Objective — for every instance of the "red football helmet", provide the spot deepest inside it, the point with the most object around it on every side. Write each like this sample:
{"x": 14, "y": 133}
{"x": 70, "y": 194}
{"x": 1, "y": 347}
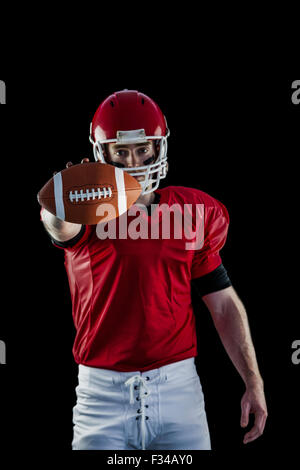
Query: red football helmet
{"x": 129, "y": 117}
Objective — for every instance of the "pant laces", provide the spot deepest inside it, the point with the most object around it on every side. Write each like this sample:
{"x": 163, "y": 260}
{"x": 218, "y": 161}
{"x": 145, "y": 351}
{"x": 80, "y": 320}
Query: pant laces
{"x": 143, "y": 393}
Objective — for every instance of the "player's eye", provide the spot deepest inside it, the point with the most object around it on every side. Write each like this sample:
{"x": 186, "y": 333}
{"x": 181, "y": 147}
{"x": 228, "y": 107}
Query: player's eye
{"x": 121, "y": 153}
{"x": 144, "y": 150}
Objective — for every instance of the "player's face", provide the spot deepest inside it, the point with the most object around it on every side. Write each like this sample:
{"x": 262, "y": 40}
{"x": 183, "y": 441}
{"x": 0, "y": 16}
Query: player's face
{"x": 131, "y": 155}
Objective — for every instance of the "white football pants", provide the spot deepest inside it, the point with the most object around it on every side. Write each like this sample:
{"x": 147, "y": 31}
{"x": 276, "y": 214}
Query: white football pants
{"x": 158, "y": 409}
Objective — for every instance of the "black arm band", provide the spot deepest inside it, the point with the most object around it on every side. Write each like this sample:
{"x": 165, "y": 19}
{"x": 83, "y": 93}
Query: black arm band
{"x": 212, "y": 282}
{"x": 72, "y": 241}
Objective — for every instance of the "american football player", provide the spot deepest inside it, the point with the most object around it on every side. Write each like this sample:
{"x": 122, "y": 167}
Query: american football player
{"x": 135, "y": 345}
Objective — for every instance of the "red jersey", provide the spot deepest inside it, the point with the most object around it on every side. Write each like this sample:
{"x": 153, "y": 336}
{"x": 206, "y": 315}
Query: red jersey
{"x": 131, "y": 298}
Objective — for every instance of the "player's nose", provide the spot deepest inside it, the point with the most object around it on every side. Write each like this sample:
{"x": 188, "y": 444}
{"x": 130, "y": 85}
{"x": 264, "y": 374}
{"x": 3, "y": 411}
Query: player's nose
{"x": 133, "y": 161}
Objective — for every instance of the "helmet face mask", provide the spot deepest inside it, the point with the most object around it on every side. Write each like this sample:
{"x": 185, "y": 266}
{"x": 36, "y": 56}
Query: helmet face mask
{"x": 131, "y": 109}
{"x": 152, "y": 173}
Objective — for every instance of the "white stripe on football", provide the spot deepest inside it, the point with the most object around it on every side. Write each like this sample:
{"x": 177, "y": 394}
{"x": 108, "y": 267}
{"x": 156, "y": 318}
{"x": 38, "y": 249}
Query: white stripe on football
{"x": 88, "y": 192}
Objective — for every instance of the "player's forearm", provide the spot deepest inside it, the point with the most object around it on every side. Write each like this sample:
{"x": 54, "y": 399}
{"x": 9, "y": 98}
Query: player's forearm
{"x": 59, "y": 229}
{"x": 51, "y": 221}
{"x": 233, "y": 328}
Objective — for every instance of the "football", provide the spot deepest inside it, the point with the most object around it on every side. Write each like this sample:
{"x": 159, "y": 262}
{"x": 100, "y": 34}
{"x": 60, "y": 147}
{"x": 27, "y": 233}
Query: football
{"x": 89, "y": 193}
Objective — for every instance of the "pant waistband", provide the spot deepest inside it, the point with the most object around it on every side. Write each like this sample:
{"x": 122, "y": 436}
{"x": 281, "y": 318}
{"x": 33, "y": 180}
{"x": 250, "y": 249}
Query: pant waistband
{"x": 184, "y": 367}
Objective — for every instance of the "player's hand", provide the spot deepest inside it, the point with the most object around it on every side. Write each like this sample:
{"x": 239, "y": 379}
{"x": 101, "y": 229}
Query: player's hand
{"x": 84, "y": 160}
{"x": 253, "y": 401}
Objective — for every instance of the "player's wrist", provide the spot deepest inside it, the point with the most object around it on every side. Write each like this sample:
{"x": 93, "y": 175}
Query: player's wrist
{"x": 253, "y": 380}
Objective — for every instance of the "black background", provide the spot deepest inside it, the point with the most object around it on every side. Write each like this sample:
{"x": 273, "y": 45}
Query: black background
{"x": 234, "y": 136}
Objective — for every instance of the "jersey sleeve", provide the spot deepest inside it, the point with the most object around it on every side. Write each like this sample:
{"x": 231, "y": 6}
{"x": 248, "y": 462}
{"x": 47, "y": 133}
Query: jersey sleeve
{"x": 206, "y": 259}
{"x": 214, "y": 281}
{"x": 74, "y": 242}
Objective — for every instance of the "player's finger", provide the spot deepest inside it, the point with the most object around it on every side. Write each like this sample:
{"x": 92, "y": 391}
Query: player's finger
{"x": 260, "y": 421}
{"x": 251, "y": 436}
{"x": 85, "y": 160}
{"x": 245, "y": 413}
{"x": 258, "y": 428}
{"x": 263, "y": 423}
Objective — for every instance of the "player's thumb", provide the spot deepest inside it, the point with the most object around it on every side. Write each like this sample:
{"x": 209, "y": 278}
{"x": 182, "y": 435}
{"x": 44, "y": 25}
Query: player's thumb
{"x": 245, "y": 408}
